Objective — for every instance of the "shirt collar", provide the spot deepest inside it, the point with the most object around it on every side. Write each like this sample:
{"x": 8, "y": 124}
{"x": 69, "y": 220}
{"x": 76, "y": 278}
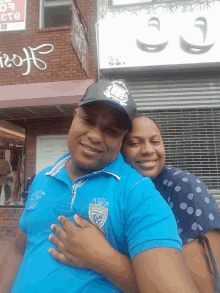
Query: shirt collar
{"x": 59, "y": 164}
{"x": 114, "y": 168}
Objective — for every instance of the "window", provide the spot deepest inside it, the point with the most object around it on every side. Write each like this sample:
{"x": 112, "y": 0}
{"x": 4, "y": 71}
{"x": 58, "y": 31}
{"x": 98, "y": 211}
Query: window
{"x": 55, "y": 13}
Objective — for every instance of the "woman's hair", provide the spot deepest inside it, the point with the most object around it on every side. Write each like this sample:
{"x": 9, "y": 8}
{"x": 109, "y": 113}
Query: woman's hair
{"x": 140, "y": 115}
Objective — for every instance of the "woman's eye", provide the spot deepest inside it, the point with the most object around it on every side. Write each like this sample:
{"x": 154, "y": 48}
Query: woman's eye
{"x": 133, "y": 144}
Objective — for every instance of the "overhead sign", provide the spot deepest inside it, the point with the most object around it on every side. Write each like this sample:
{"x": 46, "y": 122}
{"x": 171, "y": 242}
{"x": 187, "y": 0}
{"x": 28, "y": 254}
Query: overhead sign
{"x": 79, "y": 40}
{"x": 160, "y": 40}
{"x": 12, "y": 15}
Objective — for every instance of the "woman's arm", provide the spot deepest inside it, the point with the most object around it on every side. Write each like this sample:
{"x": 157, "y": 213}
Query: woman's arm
{"x": 197, "y": 264}
{"x": 86, "y": 247}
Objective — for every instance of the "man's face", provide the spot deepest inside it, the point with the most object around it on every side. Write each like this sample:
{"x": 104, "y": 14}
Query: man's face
{"x": 95, "y": 138}
{"x": 143, "y": 148}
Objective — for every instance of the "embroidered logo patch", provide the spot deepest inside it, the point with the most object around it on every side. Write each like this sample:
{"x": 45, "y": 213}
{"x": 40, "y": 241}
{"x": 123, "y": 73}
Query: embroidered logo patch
{"x": 117, "y": 91}
{"x": 34, "y": 199}
{"x": 98, "y": 211}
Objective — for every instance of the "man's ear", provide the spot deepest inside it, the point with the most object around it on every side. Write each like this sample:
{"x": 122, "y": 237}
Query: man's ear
{"x": 75, "y": 112}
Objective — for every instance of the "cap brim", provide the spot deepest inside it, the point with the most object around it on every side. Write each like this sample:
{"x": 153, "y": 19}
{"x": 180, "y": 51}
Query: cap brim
{"x": 114, "y": 108}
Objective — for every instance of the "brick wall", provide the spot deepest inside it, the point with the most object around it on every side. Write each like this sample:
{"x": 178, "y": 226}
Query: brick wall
{"x": 9, "y": 220}
{"x": 63, "y": 63}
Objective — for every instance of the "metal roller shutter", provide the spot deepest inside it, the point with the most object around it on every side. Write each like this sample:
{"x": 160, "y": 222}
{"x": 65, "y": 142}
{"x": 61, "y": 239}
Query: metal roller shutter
{"x": 175, "y": 92}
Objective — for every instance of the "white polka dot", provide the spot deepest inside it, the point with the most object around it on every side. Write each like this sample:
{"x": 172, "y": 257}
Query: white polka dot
{"x": 169, "y": 199}
{"x": 180, "y": 231}
{"x": 188, "y": 173}
{"x": 198, "y": 212}
{"x": 198, "y": 189}
{"x": 190, "y": 210}
{"x": 208, "y": 191}
{"x": 177, "y": 188}
{"x": 200, "y": 227}
{"x": 169, "y": 183}
{"x": 171, "y": 205}
{"x": 211, "y": 217}
{"x": 176, "y": 173}
{"x": 190, "y": 196}
{"x": 165, "y": 182}
{"x": 177, "y": 221}
{"x": 183, "y": 206}
{"x": 185, "y": 179}
{"x": 197, "y": 180}
{"x": 194, "y": 226}
{"x": 189, "y": 240}
{"x": 207, "y": 200}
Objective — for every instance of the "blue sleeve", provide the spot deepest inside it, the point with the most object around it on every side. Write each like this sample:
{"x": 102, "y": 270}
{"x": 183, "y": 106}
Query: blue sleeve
{"x": 150, "y": 222}
{"x": 194, "y": 207}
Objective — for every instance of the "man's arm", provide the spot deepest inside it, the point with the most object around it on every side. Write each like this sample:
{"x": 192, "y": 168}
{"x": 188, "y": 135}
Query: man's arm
{"x": 12, "y": 261}
{"x": 163, "y": 270}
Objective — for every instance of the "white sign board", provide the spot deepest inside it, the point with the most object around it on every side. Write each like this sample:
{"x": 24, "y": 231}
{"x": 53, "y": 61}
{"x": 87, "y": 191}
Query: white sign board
{"x": 160, "y": 40}
{"x": 12, "y": 15}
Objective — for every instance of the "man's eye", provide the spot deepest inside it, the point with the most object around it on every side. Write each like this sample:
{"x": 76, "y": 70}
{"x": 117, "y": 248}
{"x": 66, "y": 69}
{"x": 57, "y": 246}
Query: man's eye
{"x": 88, "y": 121}
{"x": 156, "y": 142}
{"x": 111, "y": 131}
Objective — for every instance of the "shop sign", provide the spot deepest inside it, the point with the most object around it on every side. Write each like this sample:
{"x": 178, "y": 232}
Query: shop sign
{"x": 7, "y": 61}
{"x": 79, "y": 40}
{"x": 160, "y": 41}
{"x": 12, "y": 15}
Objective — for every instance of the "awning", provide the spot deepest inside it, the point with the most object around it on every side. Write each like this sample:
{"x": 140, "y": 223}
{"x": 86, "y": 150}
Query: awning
{"x": 49, "y": 99}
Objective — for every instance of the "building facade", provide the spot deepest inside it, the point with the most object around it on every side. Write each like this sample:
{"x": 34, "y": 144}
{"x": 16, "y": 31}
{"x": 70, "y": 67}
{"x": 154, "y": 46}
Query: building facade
{"x": 167, "y": 51}
{"x": 47, "y": 61}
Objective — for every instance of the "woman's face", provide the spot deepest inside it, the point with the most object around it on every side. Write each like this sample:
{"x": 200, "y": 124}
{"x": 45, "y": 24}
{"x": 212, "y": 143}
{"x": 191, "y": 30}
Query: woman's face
{"x": 143, "y": 148}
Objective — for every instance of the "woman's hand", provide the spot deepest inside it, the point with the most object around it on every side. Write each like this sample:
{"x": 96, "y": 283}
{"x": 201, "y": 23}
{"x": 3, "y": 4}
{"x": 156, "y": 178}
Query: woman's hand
{"x": 84, "y": 246}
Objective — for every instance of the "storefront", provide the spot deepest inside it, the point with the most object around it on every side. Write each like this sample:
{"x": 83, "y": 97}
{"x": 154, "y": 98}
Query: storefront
{"x": 168, "y": 52}
{"x": 47, "y": 61}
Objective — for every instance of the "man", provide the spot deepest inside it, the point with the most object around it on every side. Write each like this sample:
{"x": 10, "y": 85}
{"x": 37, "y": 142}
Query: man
{"x": 94, "y": 182}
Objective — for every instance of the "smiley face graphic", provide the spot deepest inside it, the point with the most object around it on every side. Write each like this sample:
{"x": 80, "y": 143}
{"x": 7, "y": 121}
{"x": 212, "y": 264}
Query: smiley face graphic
{"x": 192, "y": 43}
{"x": 153, "y": 40}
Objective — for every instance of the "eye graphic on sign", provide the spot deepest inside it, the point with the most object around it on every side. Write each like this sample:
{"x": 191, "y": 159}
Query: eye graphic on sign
{"x": 152, "y": 40}
{"x": 197, "y": 39}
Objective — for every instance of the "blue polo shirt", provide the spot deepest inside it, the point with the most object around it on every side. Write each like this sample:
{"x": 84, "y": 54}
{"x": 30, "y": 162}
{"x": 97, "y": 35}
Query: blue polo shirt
{"x": 123, "y": 204}
{"x": 190, "y": 199}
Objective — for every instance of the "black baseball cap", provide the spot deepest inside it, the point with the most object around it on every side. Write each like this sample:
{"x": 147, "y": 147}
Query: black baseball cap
{"x": 115, "y": 96}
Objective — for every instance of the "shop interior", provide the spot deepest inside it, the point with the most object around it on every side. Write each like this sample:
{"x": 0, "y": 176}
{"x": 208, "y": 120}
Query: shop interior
{"x": 12, "y": 164}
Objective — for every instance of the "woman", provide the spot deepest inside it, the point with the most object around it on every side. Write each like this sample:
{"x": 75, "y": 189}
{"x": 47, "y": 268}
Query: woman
{"x": 193, "y": 206}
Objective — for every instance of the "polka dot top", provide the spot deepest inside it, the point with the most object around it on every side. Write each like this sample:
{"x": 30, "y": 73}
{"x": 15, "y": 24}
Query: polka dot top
{"x": 194, "y": 208}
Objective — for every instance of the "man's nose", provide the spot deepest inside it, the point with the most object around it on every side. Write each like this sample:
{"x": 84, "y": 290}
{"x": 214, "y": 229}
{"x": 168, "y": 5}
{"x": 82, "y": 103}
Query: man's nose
{"x": 95, "y": 134}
